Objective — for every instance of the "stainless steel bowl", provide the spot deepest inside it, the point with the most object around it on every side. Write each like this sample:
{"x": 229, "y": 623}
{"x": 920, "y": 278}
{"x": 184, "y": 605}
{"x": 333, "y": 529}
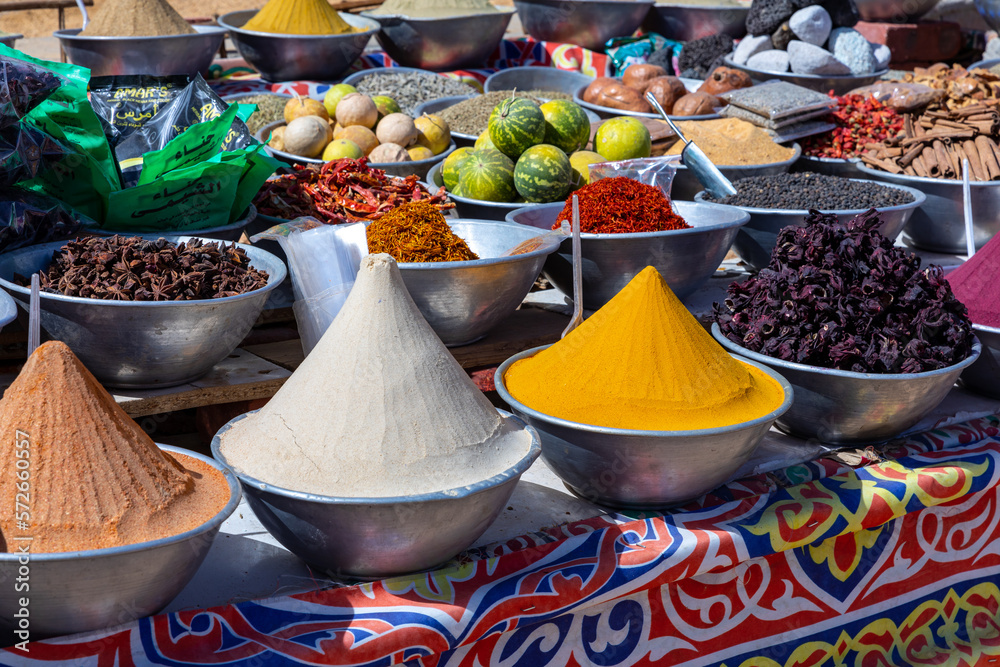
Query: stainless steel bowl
{"x": 756, "y": 239}
{"x": 8, "y": 309}
{"x": 80, "y": 591}
{"x": 939, "y": 225}
{"x": 985, "y": 64}
{"x": 642, "y": 469}
{"x": 687, "y": 22}
{"x": 983, "y": 376}
{"x": 374, "y": 538}
{"x": 462, "y": 301}
{"x": 443, "y": 43}
{"x": 295, "y": 57}
{"x": 156, "y": 56}
{"x": 9, "y": 39}
{"x": 537, "y": 78}
{"x": 609, "y": 112}
{"x": 686, "y": 258}
{"x": 473, "y": 208}
{"x": 848, "y": 168}
{"x": 840, "y": 85}
{"x": 418, "y": 167}
{"x": 586, "y": 23}
{"x": 842, "y": 407}
{"x": 894, "y": 11}
{"x": 231, "y": 232}
{"x": 144, "y": 344}
{"x": 442, "y": 103}
{"x": 686, "y": 185}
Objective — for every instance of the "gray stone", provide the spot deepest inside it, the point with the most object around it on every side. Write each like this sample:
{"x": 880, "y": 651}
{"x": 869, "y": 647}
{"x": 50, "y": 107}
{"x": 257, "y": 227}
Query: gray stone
{"x": 806, "y": 58}
{"x": 992, "y": 49}
{"x": 770, "y": 61}
{"x": 883, "y": 56}
{"x": 750, "y": 46}
{"x": 782, "y": 36}
{"x": 851, "y": 48}
{"x": 812, "y": 25}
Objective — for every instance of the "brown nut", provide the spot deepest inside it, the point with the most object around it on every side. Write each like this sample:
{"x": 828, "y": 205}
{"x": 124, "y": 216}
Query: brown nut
{"x": 617, "y": 95}
{"x": 637, "y": 76}
{"x": 667, "y": 90}
{"x": 696, "y": 104}
{"x": 592, "y": 91}
{"x": 724, "y": 79}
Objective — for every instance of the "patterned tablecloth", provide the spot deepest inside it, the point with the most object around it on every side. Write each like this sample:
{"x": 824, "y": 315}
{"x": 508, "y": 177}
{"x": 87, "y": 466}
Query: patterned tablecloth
{"x": 893, "y": 562}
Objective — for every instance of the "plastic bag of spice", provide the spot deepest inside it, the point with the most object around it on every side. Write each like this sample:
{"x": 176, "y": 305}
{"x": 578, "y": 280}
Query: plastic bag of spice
{"x": 24, "y": 84}
{"x": 656, "y": 171}
{"x": 27, "y": 218}
{"x": 125, "y": 103}
{"x": 901, "y": 96}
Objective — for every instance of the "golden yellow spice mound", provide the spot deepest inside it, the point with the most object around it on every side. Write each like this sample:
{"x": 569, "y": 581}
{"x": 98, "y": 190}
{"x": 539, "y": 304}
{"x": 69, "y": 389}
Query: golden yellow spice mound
{"x": 732, "y": 142}
{"x": 299, "y": 17}
{"x": 643, "y": 362}
{"x": 94, "y": 478}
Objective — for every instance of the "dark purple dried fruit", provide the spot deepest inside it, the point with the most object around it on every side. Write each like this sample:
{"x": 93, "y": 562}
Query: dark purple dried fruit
{"x": 843, "y": 296}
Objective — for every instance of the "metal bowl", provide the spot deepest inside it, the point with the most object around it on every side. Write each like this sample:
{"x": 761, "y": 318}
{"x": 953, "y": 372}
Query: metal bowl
{"x": 403, "y": 169}
{"x": 9, "y": 39}
{"x": 687, "y": 22}
{"x": 848, "y": 168}
{"x": 155, "y": 56}
{"x": 80, "y": 591}
{"x": 686, "y": 258}
{"x": 842, "y": 407}
{"x": 473, "y": 208}
{"x": 757, "y": 239}
{"x": 296, "y": 57}
{"x": 442, "y": 103}
{"x": 586, "y": 23}
{"x": 231, "y": 232}
{"x": 462, "y": 301}
{"x": 609, "y": 112}
{"x": 8, "y": 309}
{"x": 686, "y": 185}
{"x": 642, "y": 469}
{"x": 443, "y": 43}
{"x": 840, "y": 85}
{"x": 983, "y": 376}
{"x": 144, "y": 344}
{"x": 537, "y": 78}
{"x": 985, "y": 64}
{"x": 374, "y": 538}
{"x": 939, "y": 224}
{"x": 894, "y": 11}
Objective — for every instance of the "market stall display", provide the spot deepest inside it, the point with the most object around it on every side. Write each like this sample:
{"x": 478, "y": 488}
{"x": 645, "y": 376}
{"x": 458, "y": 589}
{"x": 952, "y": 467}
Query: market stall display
{"x": 135, "y": 540}
{"x": 860, "y": 120}
{"x": 374, "y": 501}
{"x": 410, "y": 87}
{"x": 641, "y": 380}
{"x": 680, "y": 98}
{"x": 536, "y": 78}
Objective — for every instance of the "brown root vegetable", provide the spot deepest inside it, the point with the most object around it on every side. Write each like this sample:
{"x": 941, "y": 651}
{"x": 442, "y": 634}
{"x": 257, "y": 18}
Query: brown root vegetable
{"x": 724, "y": 79}
{"x": 696, "y": 104}
{"x": 595, "y": 87}
{"x": 617, "y": 95}
{"x": 667, "y": 90}
{"x": 637, "y": 76}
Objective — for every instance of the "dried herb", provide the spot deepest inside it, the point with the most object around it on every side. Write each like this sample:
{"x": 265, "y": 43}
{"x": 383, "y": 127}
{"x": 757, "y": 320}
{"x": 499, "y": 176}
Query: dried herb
{"x": 843, "y": 296}
{"x": 22, "y": 88}
{"x": 621, "y": 205}
{"x": 417, "y": 232}
{"x": 342, "y": 191}
{"x": 130, "y": 268}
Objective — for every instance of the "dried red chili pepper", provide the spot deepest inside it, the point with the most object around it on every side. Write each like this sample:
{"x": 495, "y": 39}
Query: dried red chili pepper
{"x": 860, "y": 120}
{"x": 620, "y": 205}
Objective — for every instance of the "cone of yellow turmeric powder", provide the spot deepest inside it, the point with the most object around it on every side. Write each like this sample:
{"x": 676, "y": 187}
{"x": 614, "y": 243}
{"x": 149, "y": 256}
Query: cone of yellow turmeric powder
{"x": 639, "y": 406}
{"x": 299, "y": 17}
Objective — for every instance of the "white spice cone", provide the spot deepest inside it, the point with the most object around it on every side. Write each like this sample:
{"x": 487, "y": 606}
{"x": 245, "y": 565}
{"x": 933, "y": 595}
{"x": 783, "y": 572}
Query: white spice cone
{"x": 379, "y": 408}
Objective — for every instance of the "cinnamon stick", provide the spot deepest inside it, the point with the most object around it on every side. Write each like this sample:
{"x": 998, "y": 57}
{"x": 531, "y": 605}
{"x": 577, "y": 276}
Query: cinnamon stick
{"x": 943, "y": 160}
{"x": 884, "y": 165}
{"x": 975, "y": 163}
{"x": 929, "y": 158}
{"x": 910, "y": 155}
{"x": 988, "y": 157}
{"x": 918, "y": 166}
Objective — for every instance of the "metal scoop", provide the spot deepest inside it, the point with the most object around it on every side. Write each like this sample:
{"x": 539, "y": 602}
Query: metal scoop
{"x": 695, "y": 159}
{"x": 577, "y": 318}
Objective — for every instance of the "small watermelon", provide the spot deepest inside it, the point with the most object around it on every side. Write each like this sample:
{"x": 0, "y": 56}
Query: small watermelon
{"x": 488, "y": 175}
{"x": 451, "y": 165}
{"x": 484, "y": 141}
{"x": 566, "y": 125}
{"x": 543, "y": 174}
{"x": 515, "y": 125}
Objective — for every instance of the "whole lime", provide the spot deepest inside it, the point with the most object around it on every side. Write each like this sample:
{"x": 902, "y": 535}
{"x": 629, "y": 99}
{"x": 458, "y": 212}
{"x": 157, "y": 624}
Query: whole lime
{"x": 622, "y": 138}
{"x": 581, "y": 161}
{"x": 385, "y": 105}
{"x": 341, "y": 148}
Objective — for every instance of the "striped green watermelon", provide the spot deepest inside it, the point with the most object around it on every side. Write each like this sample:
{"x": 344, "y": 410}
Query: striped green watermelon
{"x": 543, "y": 174}
{"x": 488, "y": 175}
{"x": 451, "y": 164}
{"x": 566, "y": 125}
{"x": 516, "y": 125}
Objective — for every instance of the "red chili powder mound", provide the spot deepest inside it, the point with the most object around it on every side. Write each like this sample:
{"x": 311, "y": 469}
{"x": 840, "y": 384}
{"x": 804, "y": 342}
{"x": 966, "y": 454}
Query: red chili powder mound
{"x": 620, "y": 205}
{"x": 974, "y": 284}
{"x": 92, "y": 477}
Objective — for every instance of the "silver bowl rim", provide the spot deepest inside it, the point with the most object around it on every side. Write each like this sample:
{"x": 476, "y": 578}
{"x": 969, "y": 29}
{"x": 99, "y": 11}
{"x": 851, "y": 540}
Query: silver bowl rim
{"x": 436, "y": 169}
{"x": 8, "y": 309}
{"x": 235, "y": 494}
{"x": 728, "y": 60}
{"x": 361, "y": 74}
{"x": 985, "y": 63}
{"x": 832, "y": 160}
{"x": 11, "y": 36}
{"x": 578, "y": 99}
{"x": 522, "y": 68}
{"x": 833, "y": 372}
{"x": 500, "y": 11}
{"x": 243, "y": 221}
{"x": 918, "y": 200}
{"x": 632, "y": 236}
{"x": 274, "y": 278}
{"x": 751, "y": 167}
{"x": 550, "y": 243}
{"x": 983, "y": 327}
{"x": 72, "y": 34}
{"x": 957, "y": 182}
{"x": 259, "y": 136}
{"x": 447, "y": 494}
{"x": 366, "y": 23}
{"x": 501, "y": 386}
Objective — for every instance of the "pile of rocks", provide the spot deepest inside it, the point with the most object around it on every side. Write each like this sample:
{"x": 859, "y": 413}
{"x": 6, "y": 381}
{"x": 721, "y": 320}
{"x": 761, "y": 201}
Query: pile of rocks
{"x": 791, "y": 35}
